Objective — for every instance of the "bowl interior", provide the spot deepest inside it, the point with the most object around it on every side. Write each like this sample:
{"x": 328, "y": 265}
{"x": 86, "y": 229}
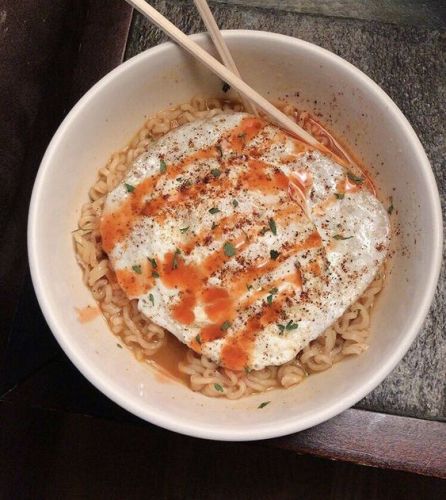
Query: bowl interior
{"x": 278, "y": 67}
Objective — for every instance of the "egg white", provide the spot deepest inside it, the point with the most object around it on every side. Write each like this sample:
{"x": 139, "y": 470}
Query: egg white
{"x": 347, "y": 266}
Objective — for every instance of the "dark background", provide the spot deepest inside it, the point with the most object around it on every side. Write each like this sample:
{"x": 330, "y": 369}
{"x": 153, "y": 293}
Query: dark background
{"x": 59, "y": 437}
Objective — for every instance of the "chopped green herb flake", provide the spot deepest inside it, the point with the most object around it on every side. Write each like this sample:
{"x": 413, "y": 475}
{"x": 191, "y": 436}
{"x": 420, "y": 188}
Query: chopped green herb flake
{"x": 229, "y": 249}
{"x": 137, "y": 269}
{"x": 214, "y": 210}
{"x": 272, "y": 292}
{"x": 119, "y": 345}
{"x": 262, "y": 405}
{"x": 214, "y": 225}
{"x": 220, "y": 150}
{"x": 153, "y": 262}
{"x": 218, "y": 387}
{"x": 248, "y": 287}
{"x": 198, "y": 339}
{"x": 152, "y": 299}
{"x": 291, "y": 325}
{"x": 354, "y": 178}
{"x": 155, "y": 274}
{"x": 225, "y": 326}
{"x": 340, "y": 196}
{"x": 184, "y": 229}
{"x": 340, "y": 237}
{"x": 264, "y": 230}
{"x": 129, "y": 188}
{"x": 175, "y": 259}
{"x": 225, "y": 87}
{"x": 272, "y": 226}
{"x": 163, "y": 166}
{"x": 274, "y": 254}
{"x": 391, "y": 207}
{"x": 234, "y": 203}
{"x": 247, "y": 369}
{"x": 216, "y": 172}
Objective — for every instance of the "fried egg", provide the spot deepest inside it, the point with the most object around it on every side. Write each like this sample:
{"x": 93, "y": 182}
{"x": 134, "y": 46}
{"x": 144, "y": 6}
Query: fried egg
{"x": 242, "y": 241}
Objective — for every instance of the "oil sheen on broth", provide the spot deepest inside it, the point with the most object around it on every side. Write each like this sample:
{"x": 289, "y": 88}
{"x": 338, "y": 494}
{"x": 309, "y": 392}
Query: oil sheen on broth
{"x": 243, "y": 242}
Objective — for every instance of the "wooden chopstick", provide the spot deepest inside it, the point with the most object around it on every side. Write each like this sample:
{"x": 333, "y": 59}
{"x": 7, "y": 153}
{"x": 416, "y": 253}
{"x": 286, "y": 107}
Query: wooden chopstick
{"x": 224, "y": 73}
{"x": 226, "y": 56}
{"x": 220, "y": 44}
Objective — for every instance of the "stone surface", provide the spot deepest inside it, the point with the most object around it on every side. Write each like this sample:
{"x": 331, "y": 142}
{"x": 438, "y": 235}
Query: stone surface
{"x": 408, "y": 62}
{"x": 411, "y": 12}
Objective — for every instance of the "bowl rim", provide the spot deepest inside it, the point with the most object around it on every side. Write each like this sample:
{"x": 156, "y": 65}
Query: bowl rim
{"x": 268, "y": 430}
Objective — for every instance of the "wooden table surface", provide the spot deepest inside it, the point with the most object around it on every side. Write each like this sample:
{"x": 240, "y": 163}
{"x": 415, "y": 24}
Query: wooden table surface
{"x": 51, "y": 418}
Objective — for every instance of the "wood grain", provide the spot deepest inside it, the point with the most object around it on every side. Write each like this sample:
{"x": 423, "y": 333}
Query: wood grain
{"x": 54, "y": 455}
{"x": 357, "y": 436}
{"x": 32, "y": 99}
{"x": 50, "y": 54}
{"x": 376, "y": 439}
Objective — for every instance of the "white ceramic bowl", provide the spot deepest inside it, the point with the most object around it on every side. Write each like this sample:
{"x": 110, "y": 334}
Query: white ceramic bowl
{"x": 107, "y": 117}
